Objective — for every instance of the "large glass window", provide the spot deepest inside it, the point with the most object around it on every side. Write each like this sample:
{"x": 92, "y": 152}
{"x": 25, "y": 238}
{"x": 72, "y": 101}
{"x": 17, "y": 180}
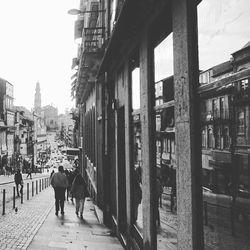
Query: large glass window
{"x": 223, "y": 43}
{"x": 166, "y": 220}
{"x": 136, "y": 175}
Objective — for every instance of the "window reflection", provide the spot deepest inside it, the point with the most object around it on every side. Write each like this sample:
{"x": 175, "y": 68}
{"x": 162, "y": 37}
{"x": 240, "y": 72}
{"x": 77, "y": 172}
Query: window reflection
{"x": 166, "y": 219}
{"x": 224, "y": 91}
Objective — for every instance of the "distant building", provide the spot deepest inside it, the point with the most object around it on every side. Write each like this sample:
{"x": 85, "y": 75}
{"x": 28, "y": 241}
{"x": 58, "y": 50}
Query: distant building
{"x": 7, "y": 127}
{"x": 51, "y": 117}
{"x": 225, "y": 112}
{"x": 25, "y": 139}
{"x": 65, "y": 126}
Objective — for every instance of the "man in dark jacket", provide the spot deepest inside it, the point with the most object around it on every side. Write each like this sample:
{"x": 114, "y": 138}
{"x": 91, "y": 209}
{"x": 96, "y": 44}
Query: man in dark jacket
{"x": 59, "y": 182}
{"x": 19, "y": 181}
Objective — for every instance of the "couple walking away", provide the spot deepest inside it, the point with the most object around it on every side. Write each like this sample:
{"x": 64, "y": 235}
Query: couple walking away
{"x": 59, "y": 182}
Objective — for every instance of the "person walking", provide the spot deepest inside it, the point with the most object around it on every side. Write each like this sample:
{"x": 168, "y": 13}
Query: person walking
{"x": 71, "y": 177}
{"x": 159, "y": 191}
{"x": 137, "y": 195}
{"x": 51, "y": 174}
{"x": 59, "y": 182}
{"x": 79, "y": 192}
{"x": 18, "y": 181}
{"x": 29, "y": 174}
{"x": 67, "y": 173}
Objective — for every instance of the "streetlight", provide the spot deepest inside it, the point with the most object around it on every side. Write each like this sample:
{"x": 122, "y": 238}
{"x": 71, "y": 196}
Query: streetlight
{"x": 78, "y": 12}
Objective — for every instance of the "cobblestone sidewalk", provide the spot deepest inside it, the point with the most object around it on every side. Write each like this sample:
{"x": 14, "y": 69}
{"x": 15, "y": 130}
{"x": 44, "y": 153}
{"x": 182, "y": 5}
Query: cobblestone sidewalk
{"x": 17, "y": 229}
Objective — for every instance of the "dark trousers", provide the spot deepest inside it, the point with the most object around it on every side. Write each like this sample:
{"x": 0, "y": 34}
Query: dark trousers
{"x": 135, "y": 212}
{"x": 59, "y": 204}
{"x": 17, "y": 189}
{"x": 60, "y": 198}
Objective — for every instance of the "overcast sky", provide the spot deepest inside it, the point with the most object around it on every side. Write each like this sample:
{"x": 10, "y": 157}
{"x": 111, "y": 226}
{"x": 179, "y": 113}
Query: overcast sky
{"x": 37, "y": 44}
{"x": 223, "y": 27}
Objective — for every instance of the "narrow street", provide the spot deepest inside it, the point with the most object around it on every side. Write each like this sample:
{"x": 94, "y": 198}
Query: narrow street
{"x": 136, "y": 111}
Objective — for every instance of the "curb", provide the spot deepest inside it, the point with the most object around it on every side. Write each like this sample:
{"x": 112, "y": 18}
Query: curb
{"x": 36, "y": 177}
{"x": 98, "y": 214}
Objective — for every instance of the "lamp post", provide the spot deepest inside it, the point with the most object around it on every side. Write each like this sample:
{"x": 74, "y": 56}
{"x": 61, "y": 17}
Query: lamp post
{"x": 79, "y": 12}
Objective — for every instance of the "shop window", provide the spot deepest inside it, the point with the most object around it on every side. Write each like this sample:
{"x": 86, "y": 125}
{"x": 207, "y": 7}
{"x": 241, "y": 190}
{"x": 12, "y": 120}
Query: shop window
{"x": 222, "y": 107}
{"x": 203, "y": 137}
{"x": 168, "y": 145}
{"x": 241, "y": 122}
{"x": 173, "y": 146}
{"x": 217, "y": 137}
{"x": 210, "y": 137}
{"x": 158, "y": 146}
{"x": 244, "y": 84}
{"x": 164, "y": 150}
{"x": 214, "y": 107}
{"x": 226, "y": 138}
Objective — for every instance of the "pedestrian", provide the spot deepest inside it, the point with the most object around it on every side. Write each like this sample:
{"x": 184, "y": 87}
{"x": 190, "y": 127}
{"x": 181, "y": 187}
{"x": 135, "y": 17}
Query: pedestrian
{"x": 51, "y": 174}
{"x": 59, "y": 182}
{"x": 18, "y": 181}
{"x": 137, "y": 195}
{"x": 79, "y": 192}
{"x": 69, "y": 186}
{"x": 4, "y": 170}
{"x": 71, "y": 177}
{"x": 29, "y": 174}
{"x": 159, "y": 191}
{"x": 173, "y": 198}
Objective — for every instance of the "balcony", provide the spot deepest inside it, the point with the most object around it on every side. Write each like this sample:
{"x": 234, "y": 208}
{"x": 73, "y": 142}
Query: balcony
{"x": 90, "y": 53}
{"x": 242, "y": 94}
{"x": 215, "y": 116}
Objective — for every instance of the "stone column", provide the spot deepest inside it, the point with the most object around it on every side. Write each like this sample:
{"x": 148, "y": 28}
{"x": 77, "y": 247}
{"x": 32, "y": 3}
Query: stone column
{"x": 187, "y": 123}
{"x": 147, "y": 90}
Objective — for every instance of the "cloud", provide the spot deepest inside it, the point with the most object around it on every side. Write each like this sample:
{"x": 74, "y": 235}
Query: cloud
{"x": 222, "y": 29}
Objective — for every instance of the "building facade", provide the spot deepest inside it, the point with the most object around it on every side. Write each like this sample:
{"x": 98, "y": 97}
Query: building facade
{"x": 225, "y": 125}
{"x": 25, "y": 140}
{"x": 8, "y": 118}
{"x": 191, "y": 134}
{"x": 118, "y": 38}
{"x": 50, "y": 115}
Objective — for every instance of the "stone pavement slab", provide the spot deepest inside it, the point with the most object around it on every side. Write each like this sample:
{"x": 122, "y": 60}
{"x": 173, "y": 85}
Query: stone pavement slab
{"x": 17, "y": 229}
{"x": 71, "y": 233}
